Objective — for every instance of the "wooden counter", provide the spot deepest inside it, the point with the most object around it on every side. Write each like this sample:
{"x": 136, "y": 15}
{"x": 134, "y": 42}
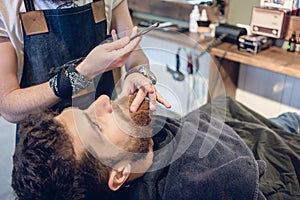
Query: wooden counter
{"x": 228, "y": 58}
{"x": 273, "y": 59}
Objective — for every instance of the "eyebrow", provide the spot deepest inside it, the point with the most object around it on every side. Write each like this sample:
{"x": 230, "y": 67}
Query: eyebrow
{"x": 91, "y": 148}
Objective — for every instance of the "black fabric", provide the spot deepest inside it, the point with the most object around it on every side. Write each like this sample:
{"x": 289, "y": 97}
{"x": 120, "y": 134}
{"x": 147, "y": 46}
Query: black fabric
{"x": 269, "y": 142}
{"x": 64, "y": 86}
{"x": 227, "y": 171}
{"x": 279, "y": 173}
{"x": 29, "y": 5}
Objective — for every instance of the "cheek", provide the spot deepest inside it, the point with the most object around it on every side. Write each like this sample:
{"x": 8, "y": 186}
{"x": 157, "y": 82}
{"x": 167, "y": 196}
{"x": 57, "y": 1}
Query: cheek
{"x": 115, "y": 135}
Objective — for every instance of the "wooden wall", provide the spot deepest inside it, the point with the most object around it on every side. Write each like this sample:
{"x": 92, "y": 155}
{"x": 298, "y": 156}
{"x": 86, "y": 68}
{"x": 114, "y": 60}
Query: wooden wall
{"x": 294, "y": 25}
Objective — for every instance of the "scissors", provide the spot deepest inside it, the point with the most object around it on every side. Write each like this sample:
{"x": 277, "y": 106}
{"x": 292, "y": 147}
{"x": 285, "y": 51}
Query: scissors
{"x": 145, "y": 30}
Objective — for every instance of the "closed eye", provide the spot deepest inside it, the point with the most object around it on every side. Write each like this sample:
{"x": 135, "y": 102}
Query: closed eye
{"x": 93, "y": 123}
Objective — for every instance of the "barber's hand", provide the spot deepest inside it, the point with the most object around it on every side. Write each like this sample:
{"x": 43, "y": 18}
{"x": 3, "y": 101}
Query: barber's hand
{"x": 144, "y": 87}
{"x": 108, "y": 56}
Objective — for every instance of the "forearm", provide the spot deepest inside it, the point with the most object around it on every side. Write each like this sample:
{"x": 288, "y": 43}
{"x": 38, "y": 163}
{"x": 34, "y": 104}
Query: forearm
{"x": 17, "y": 104}
{"x": 136, "y": 58}
{"x": 121, "y": 21}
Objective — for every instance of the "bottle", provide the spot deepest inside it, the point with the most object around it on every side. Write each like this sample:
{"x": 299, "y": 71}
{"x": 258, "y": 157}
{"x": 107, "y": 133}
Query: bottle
{"x": 203, "y": 16}
{"x": 292, "y": 43}
{"x": 298, "y": 43}
{"x": 203, "y": 20}
{"x": 194, "y": 17}
{"x": 203, "y": 25}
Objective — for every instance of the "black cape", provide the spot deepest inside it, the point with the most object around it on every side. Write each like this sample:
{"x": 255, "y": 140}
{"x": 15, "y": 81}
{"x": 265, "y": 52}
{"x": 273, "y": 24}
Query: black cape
{"x": 198, "y": 157}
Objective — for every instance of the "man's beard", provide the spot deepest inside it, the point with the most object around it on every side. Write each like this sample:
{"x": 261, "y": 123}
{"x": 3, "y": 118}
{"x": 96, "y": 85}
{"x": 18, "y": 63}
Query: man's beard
{"x": 140, "y": 136}
{"x": 138, "y": 149}
{"x": 140, "y": 145}
{"x": 136, "y": 124}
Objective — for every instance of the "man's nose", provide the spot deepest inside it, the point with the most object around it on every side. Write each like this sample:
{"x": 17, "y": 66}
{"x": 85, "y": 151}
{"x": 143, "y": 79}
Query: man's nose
{"x": 103, "y": 105}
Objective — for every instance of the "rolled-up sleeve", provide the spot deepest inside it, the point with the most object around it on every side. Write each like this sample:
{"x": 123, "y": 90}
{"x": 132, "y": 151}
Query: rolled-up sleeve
{"x": 116, "y": 3}
{"x": 109, "y": 6}
{"x": 3, "y": 31}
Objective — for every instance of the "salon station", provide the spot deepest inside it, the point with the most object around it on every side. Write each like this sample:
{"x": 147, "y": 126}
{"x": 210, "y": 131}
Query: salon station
{"x": 244, "y": 51}
{"x": 252, "y": 64}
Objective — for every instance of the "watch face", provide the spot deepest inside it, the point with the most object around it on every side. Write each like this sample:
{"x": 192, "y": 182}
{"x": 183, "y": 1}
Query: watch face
{"x": 147, "y": 73}
{"x": 144, "y": 71}
{"x": 152, "y": 77}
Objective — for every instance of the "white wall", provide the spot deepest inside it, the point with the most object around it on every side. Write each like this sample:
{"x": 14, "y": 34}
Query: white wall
{"x": 7, "y": 147}
{"x": 185, "y": 95}
{"x": 268, "y": 93}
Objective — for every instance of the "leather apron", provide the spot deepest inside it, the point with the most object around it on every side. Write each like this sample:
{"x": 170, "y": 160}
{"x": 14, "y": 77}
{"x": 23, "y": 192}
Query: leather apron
{"x": 55, "y": 36}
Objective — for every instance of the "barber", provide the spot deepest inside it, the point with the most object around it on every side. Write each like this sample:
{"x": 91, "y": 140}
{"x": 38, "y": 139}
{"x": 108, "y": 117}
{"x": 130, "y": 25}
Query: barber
{"x": 38, "y": 36}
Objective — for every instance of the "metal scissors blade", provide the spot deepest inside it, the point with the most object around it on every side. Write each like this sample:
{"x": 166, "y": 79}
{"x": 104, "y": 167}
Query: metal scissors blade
{"x": 145, "y": 30}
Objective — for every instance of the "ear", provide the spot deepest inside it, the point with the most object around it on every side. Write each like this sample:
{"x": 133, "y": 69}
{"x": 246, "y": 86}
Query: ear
{"x": 118, "y": 177}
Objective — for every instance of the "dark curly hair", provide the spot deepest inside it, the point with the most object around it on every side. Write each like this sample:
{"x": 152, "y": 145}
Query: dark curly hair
{"x": 45, "y": 167}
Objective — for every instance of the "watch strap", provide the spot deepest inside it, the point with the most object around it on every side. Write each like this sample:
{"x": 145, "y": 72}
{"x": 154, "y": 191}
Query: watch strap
{"x": 145, "y": 71}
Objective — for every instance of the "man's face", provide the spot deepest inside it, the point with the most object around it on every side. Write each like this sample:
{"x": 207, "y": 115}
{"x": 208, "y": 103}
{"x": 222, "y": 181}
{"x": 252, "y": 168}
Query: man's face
{"x": 100, "y": 130}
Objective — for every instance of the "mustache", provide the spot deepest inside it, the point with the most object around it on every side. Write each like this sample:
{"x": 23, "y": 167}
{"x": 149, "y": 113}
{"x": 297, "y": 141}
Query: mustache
{"x": 137, "y": 124}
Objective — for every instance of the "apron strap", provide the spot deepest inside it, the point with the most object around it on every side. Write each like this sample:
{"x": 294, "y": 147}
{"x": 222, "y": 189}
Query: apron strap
{"x": 29, "y": 5}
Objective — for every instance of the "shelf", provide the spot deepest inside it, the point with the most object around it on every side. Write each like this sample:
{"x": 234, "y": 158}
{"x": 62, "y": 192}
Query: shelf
{"x": 273, "y": 59}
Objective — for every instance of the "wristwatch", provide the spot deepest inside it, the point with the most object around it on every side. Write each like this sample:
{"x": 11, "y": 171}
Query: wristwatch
{"x": 144, "y": 70}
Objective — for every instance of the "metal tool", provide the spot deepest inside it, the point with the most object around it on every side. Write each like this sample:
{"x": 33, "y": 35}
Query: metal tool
{"x": 145, "y": 30}
{"x": 177, "y": 75}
